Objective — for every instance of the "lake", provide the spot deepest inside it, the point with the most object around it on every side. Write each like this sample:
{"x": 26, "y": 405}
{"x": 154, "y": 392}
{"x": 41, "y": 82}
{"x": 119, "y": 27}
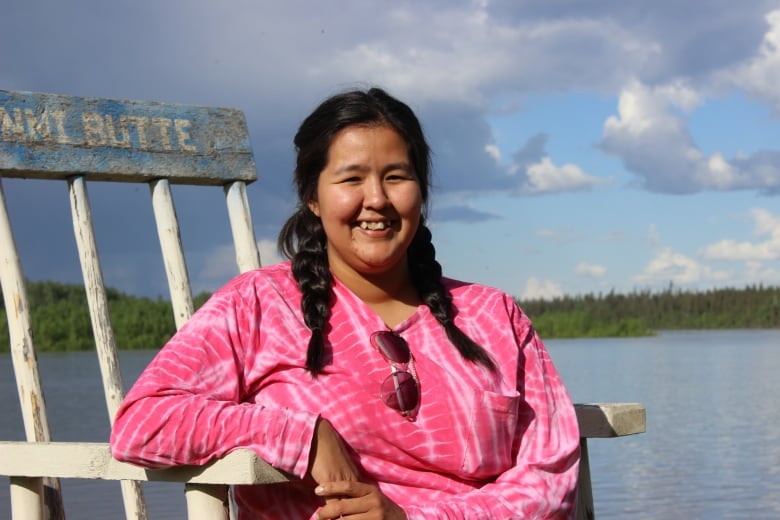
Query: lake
{"x": 712, "y": 447}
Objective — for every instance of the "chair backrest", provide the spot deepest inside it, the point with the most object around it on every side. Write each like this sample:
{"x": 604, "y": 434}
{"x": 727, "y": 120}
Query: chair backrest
{"x": 75, "y": 141}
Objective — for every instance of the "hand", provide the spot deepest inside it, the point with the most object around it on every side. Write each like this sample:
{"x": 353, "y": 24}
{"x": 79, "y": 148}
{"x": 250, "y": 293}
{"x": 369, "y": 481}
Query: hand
{"x": 330, "y": 461}
{"x": 347, "y": 498}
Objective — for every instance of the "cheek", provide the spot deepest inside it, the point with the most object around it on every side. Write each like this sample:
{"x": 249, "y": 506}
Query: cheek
{"x": 410, "y": 204}
{"x": 337, "y": 207}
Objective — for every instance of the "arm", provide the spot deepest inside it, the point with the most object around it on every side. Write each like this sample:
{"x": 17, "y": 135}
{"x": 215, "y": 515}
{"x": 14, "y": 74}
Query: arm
{"x": 542, "y": 482}
{"x": 188, "y": 406}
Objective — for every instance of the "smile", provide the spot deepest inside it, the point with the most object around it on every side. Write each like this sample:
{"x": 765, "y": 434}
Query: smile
{"x": 374, "y": 226}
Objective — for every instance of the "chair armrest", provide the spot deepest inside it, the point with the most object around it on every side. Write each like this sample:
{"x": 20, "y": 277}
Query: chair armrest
{"x": 603, "y": 420}
{"x": 243, "y": 466}
{"x": 94, "y": 461}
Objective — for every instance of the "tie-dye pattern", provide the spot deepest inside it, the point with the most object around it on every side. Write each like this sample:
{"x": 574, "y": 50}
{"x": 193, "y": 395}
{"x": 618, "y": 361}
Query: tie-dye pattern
{"x": 483, "y": 445}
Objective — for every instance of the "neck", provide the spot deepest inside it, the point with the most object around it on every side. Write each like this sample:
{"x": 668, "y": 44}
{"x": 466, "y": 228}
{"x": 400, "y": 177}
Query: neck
{"x": 390, "y": 294}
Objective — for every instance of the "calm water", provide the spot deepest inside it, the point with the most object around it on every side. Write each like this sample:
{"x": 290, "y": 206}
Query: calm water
{"x": 712, "y": 449}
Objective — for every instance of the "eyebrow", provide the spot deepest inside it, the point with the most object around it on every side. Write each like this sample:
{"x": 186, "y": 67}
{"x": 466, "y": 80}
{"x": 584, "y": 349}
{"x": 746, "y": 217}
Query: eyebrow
{"x": 402, "y": 165}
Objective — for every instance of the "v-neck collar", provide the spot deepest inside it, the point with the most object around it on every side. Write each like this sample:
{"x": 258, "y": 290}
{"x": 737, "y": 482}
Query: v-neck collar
{"x": 370, "y": 317}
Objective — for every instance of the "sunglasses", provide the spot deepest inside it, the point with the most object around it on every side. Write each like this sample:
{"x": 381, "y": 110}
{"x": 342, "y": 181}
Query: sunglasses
{"x": 400, "y": 390}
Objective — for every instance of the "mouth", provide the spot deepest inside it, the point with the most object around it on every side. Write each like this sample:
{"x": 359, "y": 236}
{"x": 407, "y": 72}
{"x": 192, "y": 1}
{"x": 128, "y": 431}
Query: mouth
{"x": 379, "y": 225}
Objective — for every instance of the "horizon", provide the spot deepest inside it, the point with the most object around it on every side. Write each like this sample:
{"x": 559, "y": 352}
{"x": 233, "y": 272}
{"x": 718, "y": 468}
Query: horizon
{"x": 577, "y": 149}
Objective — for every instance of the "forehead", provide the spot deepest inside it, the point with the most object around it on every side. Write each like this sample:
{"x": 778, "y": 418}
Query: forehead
{"x": 367, "y": 142}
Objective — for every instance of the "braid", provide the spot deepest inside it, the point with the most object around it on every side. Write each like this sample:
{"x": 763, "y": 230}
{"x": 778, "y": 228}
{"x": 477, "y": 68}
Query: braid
{"x": 310, "y": 269}
{"x": 426, "y": 275}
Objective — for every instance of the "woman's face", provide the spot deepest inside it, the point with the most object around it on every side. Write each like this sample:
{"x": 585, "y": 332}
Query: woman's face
{"x": 369, "y": 201}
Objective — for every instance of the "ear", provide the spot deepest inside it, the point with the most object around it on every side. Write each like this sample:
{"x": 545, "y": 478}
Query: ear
{"x": 314, "y": 207}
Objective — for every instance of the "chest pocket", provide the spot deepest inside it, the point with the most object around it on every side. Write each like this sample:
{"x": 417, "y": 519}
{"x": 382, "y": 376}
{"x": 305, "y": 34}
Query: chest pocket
{"x": 491, "y": 434}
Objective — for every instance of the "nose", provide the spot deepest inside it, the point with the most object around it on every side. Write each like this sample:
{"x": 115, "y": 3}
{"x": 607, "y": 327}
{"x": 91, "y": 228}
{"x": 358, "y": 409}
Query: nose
{"x": 374, "y": 194}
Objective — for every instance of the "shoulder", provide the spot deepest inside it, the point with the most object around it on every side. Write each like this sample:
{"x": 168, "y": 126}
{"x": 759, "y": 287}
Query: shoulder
{"x": 265, "y": 282}
{"x": 470, "y": 294}
{"x": 482, "y": 303}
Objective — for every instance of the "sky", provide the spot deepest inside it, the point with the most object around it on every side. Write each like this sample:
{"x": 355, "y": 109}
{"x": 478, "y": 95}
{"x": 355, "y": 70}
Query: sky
{"x": 579, "y": 147}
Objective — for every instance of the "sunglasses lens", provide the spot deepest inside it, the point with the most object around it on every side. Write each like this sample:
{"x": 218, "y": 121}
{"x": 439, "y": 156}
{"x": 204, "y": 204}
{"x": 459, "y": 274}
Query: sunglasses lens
{"x": 400, "y": 392}
{"x": 392, "y": 346}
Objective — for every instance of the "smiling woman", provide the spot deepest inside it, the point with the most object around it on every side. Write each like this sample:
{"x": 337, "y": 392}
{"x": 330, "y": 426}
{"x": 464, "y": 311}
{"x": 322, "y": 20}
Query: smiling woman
{"x": 369, "y": 202}
{"x": 388, "y": 389}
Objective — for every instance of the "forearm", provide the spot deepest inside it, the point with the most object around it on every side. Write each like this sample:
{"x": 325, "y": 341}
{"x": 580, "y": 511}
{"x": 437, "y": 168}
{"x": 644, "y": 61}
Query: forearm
{"x": 166, "y": 430}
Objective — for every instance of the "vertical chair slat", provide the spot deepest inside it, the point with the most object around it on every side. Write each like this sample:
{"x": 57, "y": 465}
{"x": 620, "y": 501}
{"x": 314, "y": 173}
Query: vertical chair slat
{"x": 105, "y": 344}
{"x": 173, "y": 254}
{"x": 25, "y": 362}
{"x": 202, "y": 501}
{"x": 247, "y": 256}
{"x": 26, "y": 498}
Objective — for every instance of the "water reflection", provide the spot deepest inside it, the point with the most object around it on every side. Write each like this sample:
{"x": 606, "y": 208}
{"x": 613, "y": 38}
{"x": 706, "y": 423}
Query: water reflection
{"x": 711, "y": 449}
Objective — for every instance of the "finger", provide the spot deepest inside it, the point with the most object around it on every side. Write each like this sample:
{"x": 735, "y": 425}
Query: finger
{"x": 334, "y": 508}
{"x": 348, "y": 488}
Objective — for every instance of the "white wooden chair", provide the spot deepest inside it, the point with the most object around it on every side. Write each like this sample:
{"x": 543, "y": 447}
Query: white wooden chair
{"x": 79, "y": 140}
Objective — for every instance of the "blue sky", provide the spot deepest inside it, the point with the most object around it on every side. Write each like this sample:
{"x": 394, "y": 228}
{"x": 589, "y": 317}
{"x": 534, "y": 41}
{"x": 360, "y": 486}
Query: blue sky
{"x": 580, "y": 147}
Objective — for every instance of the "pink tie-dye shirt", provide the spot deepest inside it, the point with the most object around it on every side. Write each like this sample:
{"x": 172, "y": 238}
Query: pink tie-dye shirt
{"x": 483, "y": 446}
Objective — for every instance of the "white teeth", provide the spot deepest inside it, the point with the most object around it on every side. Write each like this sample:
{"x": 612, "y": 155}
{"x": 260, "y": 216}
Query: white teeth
{"x": 373, "y": 226}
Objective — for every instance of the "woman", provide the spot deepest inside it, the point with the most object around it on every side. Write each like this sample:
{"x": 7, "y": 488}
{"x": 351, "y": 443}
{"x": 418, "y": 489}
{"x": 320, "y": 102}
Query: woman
{"x": 389, "y": 390}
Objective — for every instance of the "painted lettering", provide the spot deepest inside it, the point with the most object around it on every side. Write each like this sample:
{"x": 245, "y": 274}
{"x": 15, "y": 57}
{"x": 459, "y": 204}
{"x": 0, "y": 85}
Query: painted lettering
{"x": 59, "y": 123}
{"x": 37, "y": 127}
{"x": 124, "y": 142}
{"x": 13, "y": 127}
{"x": 183, "y": 135}
{"x": 44, "y": 125}
{"x": 94, "y": 129}
{"x": 141, "y": 124}
{"x": 163, "y": 124}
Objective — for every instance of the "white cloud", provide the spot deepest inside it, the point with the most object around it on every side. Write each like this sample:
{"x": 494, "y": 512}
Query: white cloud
{"x": 761, "y": 75}
{"x": 668, "y": 266}
{"x": 590, "y": 270}
{"x": 493, "y": 151}
{"x": 546, "y": 177}
{"x": 650, "y": 135}
{"x": 767, "y": 226}
{"x": 536, "y": 289}
{"x": 413, "y": 53}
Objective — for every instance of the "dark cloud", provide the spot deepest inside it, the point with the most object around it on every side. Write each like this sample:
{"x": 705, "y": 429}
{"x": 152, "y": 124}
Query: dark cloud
{"x": 266, "y": 59}
{"x": 693, "y": 39}
{"x": 458, "y": 136}
{"x": 461, "y": 214}
{"x": 530, "y": 153}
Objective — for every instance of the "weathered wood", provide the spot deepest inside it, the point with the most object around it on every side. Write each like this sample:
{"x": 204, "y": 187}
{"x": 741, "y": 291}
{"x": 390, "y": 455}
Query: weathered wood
{"x": 172, "y": 251}
{"x": 207, "y": 502}
{"x": 48, "y": 136}
{"x": 585, "y": 509}
{"x": 105, "y": 344}
{"x": 244, "y": 239}
{"x": 52, "y": 136}
{"x": 602, "y": 420}
{"x": 27, "y": 497}
{"x": 23, "y": 356}
{"x": 94, "y": 461}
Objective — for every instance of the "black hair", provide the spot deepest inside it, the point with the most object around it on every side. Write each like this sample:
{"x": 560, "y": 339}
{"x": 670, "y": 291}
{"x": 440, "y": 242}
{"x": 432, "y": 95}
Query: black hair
{"x": 303, "y": 240}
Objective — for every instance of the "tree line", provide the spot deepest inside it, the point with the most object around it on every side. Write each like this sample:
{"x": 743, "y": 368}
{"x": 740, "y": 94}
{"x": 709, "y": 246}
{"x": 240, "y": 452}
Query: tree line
{"x": 60, "y": 316}
{"x": 643, "y": 312}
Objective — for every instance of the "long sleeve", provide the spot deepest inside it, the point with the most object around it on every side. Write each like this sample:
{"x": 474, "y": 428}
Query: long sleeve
{"x": 542, "y": 482}
{"x": 484, "y": 444}
{"x": 190, "y": 404}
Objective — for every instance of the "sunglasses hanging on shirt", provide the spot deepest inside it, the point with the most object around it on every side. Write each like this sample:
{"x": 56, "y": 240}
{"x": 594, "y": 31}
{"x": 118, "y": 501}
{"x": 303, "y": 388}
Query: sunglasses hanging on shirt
{"x": 401, "y": 389}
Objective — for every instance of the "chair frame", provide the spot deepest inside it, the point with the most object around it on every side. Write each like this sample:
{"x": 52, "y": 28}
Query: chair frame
{"x": 78, "y": 140}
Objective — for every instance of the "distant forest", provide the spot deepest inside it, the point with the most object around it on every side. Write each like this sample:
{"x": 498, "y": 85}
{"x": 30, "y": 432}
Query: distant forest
{"x": 60, "y": 318}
